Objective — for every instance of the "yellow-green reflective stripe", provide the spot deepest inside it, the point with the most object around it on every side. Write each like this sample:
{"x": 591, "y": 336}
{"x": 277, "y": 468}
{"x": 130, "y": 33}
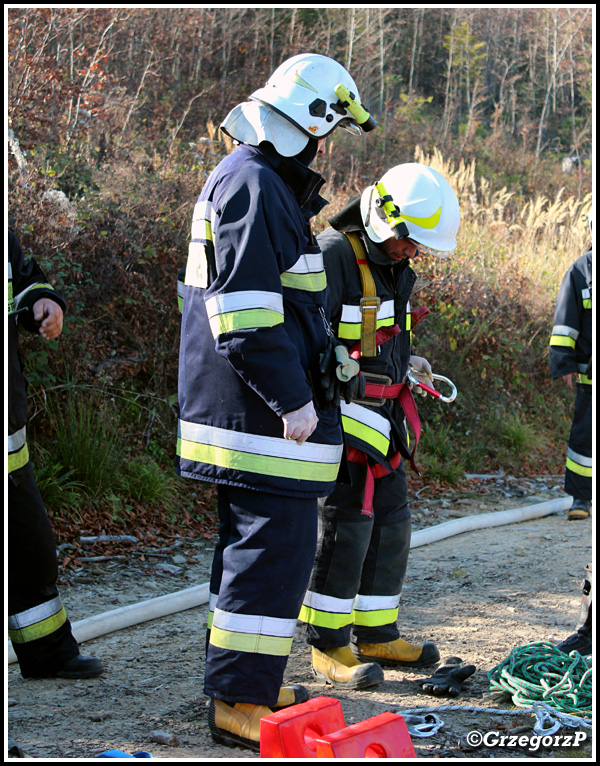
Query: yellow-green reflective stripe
{"x": 201, "y": 229}
{"x": 562, "y": 340}
{"x": 38, "y": 629}
{"x": 578, "y": 469}
{"x": 312, "y": 283}
{"x": 376, "y": 617}
{"x": 587, "y": 303}
{"x": 263, "y": 464}
{"x": 425, "y": 223}
{"x": 18, "y": 459}
{"x": 585, "y": 379}
{"x": 366, "y": 434}
{"x": 250, "y": 642}
{"x": 580, "y": 464}
{"x": 324, "y": 619}
{"x": 244, "y": 320}
{"x": 353, "y": 331}
{"x": 31, "y": 288}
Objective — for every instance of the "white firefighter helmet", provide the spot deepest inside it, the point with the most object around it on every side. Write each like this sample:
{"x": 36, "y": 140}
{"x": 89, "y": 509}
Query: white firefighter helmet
{"x": 415, "y": 201}
{"x": 307, "y": 96}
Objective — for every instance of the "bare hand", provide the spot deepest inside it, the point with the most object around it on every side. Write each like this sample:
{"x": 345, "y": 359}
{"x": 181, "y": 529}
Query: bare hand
{"x": 571, "y": 379}
{"x": 50, "y": 316}
{"x": 299, "y": 424}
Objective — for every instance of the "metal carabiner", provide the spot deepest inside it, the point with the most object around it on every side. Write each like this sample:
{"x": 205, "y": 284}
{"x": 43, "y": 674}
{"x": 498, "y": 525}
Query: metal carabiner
{"x": 432, "y": 391}
{"x": 422, "y": 725}
{"x": 546, "y": 723}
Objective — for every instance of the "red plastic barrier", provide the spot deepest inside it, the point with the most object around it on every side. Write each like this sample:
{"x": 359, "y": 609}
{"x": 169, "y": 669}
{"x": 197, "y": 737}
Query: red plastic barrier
{"x": 293, "y": 732}
{"x": 383, "y": 736}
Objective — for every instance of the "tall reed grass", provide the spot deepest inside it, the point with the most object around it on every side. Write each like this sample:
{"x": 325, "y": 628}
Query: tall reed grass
{"x": 536, "y": 239}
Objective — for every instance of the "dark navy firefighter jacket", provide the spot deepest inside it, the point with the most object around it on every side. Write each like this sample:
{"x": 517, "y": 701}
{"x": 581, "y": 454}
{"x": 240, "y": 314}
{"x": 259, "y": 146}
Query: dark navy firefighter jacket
{"x": 255, "y": 303}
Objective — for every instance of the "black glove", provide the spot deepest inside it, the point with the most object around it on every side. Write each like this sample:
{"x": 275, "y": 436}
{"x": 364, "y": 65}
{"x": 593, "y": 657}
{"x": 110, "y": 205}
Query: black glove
{"x": 333, "y": 365}
{"x": 448, "y": 678}
{"x": 353, "y": 389}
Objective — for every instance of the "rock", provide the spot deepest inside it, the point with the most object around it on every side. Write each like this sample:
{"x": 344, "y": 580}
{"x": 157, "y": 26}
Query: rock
{"x": 164, "y": 738}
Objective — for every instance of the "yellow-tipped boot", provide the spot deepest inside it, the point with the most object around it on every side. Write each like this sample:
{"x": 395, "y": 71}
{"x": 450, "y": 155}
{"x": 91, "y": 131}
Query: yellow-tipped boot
{"x": 339, "y": 667}
{"x": 399, "y": 653}
{"x": 236, "y": 725}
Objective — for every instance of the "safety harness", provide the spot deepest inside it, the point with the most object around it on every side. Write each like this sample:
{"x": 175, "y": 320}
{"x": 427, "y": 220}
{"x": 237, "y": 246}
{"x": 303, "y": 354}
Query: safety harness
{"x": 370, "y": 339}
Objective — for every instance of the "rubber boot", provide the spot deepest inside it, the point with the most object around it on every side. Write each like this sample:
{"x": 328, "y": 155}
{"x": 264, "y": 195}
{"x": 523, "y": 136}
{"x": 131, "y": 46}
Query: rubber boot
{"x": 399, "y": 653}
{"x": 236, "y": 725}
{"x": 581, "y": 640}
{"x": 580, "y": 509}
{"x": 339, "y": 667}
{"x": 292, "y": 694}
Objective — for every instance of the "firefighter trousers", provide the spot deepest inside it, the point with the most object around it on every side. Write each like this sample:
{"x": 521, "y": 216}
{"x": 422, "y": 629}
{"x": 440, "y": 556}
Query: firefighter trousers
{"x": 361, "y": 560}
{"x": 37, "y": 624}
{"x": 260, "y": 571}
{"x": 578, "y": 473}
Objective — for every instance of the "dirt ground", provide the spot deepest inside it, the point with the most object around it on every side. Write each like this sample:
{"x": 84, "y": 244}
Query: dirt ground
{"x": 477, "y": 595}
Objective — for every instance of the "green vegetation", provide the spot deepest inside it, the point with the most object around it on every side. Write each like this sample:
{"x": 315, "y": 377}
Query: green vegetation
{"x": 118, "y": 109}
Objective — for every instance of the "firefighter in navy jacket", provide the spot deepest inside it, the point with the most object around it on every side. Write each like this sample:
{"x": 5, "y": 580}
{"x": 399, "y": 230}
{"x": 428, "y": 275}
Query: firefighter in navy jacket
{"x": 570, "y": 359}
{"x": 37, "y": 624}
{"x": 350, "y": 610}
{"x": 254, "y": 324}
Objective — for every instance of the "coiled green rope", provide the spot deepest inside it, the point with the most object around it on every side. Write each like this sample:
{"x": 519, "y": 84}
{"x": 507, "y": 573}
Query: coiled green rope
{"x": 540, "y": 672}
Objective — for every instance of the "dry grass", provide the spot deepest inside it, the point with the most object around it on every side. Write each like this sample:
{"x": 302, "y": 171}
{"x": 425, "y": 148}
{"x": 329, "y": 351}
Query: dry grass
{"x": 536, "y": 240}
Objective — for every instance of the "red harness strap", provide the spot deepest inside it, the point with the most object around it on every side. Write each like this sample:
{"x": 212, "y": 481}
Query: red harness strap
{"x": 399, "y": 391}
{"x": 374, "y": 471}
{"x": 383, "y": 334}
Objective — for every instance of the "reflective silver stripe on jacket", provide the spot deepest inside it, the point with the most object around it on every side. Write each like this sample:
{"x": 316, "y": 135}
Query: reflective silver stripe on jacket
{"x": 17, "y": 440}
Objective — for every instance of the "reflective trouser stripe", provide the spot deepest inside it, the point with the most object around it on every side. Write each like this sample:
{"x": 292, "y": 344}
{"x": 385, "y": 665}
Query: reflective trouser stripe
{"x": 373, "y": 611}
{"x": 255, "y": 634}
{"x": 579, "y": 464}
{"x": 376, "y": 617}
{"x": 326, "y": 611}
{"x": 37, "y": 622}
{"x": 18, "y": 452}
{"x": 335, "y": 613}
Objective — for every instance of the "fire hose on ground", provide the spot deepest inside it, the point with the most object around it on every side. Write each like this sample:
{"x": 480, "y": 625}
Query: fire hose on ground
{"x": 189, "y": 598}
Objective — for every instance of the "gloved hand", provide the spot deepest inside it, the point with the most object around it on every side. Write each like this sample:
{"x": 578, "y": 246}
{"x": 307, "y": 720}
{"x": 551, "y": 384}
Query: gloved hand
{"x": 421, "y": 370}
{"x": 299, "y": 424}
{"x": 448, "y": 678}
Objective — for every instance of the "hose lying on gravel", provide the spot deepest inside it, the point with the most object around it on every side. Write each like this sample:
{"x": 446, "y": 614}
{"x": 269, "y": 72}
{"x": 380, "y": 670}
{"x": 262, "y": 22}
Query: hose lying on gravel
{"x": 153, "y": 609}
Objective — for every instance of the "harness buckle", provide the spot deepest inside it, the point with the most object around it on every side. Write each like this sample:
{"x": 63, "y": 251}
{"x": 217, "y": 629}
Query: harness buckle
{"x": 378, "y": 380}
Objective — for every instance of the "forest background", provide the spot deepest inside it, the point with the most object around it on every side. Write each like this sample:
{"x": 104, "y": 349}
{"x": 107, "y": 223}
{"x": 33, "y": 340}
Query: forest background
{"x": 113, "y": 118}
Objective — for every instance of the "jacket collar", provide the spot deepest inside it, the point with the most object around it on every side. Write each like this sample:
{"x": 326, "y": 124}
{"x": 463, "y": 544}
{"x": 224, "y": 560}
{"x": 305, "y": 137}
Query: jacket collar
{"x": 304, "y": 182}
